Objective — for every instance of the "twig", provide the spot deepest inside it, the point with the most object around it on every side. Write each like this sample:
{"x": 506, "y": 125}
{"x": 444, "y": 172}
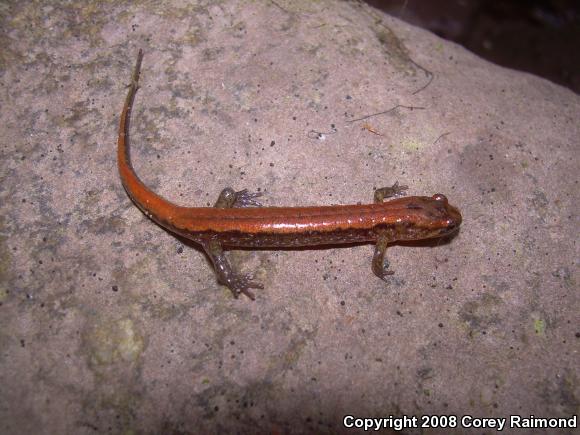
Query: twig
{"x": 429, "y": 74}
{"x": 402, "y": 51}
{"x": 368, "y": 127}
{"x": 386, "y": 111}
{"x": 441, "y": 136}
{"x": 275, "y": 3}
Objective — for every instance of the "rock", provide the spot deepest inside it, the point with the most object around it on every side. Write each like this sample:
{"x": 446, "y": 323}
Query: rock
{"x": 314, "y": 103}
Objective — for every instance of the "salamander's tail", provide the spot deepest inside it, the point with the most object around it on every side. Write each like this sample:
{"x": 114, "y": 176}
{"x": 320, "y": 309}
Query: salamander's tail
{"x": 148, "y": 201}
{"x": 124, "y": 155}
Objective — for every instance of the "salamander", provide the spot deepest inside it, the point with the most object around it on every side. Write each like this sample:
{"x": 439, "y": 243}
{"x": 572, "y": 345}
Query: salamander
{"x": 238, "y": 219}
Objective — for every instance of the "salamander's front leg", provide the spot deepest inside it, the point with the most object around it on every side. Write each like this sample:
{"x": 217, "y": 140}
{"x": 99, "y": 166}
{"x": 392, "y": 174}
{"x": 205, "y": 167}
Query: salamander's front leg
{"x": 380, "y": 264}
{"x": 236, "y": 282}
{"x": 229, "y": 198}
{"x": 388, "y": 192}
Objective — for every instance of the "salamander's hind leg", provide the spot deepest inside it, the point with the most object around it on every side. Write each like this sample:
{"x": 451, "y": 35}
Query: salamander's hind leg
{"x": 388, "y": 192}
{"x": 380, "y": 264}
{"x": 229, "y": 198}
{"x": 237, "y": 283}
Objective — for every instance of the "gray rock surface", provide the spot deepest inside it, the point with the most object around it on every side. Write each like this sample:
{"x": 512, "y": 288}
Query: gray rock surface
{"x": 110, "y": 324}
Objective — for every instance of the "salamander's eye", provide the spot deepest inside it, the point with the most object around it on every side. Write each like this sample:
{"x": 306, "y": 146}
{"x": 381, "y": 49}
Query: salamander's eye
{"x": 451, "y": 223}
{"x": 440, "y": 197}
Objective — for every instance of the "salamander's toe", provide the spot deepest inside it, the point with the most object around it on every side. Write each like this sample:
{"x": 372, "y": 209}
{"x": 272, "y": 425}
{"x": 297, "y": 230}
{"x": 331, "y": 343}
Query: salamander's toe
{"x": 243, "y": 284}
{"x": 246, "y": 199}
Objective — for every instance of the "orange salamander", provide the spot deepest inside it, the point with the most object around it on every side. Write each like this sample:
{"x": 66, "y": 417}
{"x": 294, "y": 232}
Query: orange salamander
{"x": 238, "y": 220}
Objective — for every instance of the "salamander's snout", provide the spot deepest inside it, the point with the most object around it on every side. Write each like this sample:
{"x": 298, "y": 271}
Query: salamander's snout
{"x": 453, "y": 219}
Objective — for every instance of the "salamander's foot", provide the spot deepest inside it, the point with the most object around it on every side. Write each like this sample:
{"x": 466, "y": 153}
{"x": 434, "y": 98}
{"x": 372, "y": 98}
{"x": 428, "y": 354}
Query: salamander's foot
{"x": 236, "y": 282}
{"x": 229, "y": 198}
{"x": 242, "y": 284}
{"x": 388, "y": 192}
{"x": 382, "y": 272}
{"x": 246, "y": 199}
{"x": 380, "y": 264}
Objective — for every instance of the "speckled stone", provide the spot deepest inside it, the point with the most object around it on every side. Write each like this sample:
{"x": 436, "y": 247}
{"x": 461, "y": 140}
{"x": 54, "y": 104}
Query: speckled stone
{"x": 109, "y": 324}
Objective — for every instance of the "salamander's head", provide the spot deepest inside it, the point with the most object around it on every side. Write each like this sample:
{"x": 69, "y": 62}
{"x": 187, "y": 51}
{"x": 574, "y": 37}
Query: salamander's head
{"x": 451, "y": 217}
{"x": 430, "y": 217}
